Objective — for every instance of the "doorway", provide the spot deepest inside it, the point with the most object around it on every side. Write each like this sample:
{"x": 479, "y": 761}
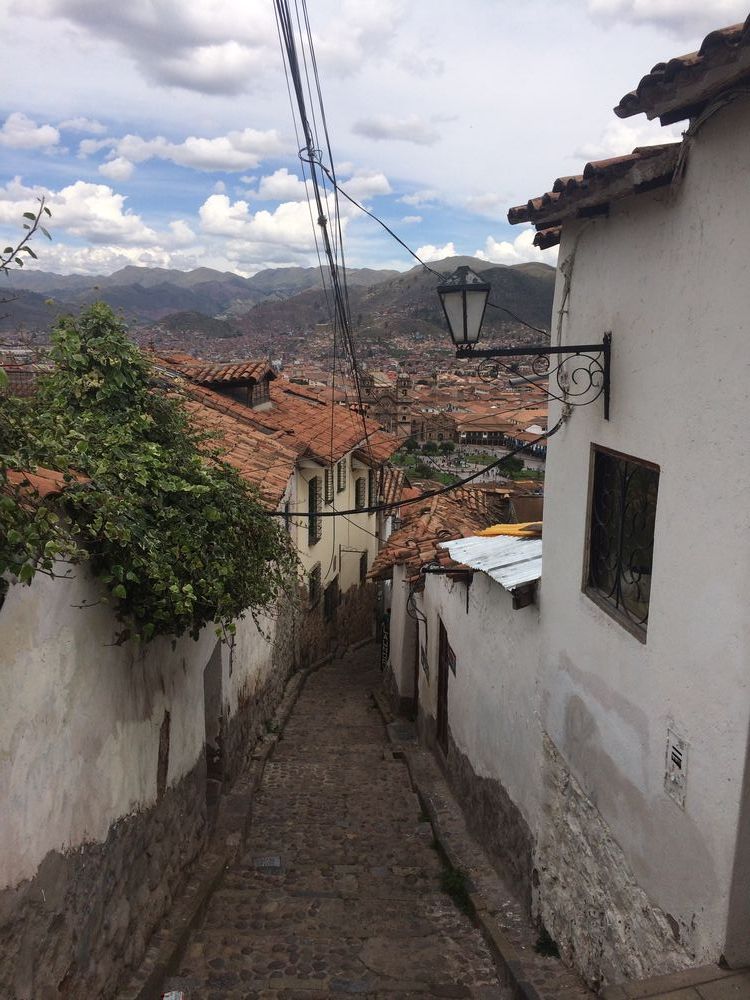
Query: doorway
{"x": 442, "y": 694}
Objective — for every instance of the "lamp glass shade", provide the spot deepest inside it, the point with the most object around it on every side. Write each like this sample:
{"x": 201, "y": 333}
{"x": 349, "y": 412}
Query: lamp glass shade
{"x": 464, "y": 299}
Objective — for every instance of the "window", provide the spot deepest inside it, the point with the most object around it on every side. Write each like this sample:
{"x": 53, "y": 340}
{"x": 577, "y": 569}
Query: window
{"x": 359, "y": 493}
{"x": 313, "y": 585}
{"x": 314, "y": 523}
{"x": 288, "y": 516}
{"x": 341, "y": 476}
{"x": 331, "y": 600}
{"x": 372, "y": 496}
{"x": 260, "y": 393}
{"x": 328, "y": 486}
{"x": 363, "y": 568}
{"x": 622, "y": 512}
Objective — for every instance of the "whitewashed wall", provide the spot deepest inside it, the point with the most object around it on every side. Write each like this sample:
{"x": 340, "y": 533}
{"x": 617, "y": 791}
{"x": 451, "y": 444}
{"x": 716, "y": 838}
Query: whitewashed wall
{"x": 667, "y": 273}
{"x": 343, "y": 539}
{"x": 80, "y": 720}
{"x": 492, "y": 697}
{"x": 403, "y": 635}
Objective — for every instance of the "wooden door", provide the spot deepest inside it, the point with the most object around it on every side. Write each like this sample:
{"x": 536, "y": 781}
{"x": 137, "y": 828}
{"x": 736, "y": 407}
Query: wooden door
{"x": 442, "y": 698}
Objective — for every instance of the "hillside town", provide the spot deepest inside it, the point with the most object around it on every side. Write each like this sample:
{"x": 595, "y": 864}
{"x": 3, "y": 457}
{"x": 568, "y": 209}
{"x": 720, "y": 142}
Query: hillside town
{"x": 365, "y": 639}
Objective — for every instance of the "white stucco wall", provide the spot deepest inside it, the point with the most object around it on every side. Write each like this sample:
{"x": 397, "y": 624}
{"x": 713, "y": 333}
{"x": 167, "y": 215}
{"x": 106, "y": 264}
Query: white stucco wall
{"x": 343, "y": 539}
{"x": 492, "y": 697}
{"x": 667, "y": 273}
{"x": 403, "y": 635}
{"x": 80, "y": 720}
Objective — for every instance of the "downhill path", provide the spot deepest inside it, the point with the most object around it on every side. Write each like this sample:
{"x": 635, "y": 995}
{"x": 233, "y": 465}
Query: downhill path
{"x": 339, "y": 889}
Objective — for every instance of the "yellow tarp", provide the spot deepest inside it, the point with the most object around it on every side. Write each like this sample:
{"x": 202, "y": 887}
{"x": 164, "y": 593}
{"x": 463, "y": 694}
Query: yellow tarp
{"x": 530, "y": 529}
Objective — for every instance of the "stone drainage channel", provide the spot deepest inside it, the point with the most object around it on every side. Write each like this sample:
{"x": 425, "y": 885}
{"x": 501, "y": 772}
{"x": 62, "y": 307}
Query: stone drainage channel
{"x": 343, "y": 880}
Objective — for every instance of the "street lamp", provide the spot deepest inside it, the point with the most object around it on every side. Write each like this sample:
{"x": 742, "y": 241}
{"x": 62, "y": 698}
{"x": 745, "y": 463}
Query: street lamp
{"x": 581, "y": 373}
{"x": 463, "y": 297}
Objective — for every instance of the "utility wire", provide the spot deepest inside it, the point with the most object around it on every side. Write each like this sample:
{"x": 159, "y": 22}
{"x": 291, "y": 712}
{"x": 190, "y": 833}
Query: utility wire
{"x": 429, "y": 493}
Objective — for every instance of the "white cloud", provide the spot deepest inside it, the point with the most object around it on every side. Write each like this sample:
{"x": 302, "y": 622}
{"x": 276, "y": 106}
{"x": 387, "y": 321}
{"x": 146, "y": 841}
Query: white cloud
{"x": 419, "y": 198}
{"x": 92, "y": 212}
{"x": 89, "y": 125}
{"x": 117, "y": 169}
{"x": 491, "y": 204}
{"x": 410, "y": 220}
{"x": 87, "y": 147}
{"x": 181, "y": 233}
{"x": 411, "y": 129}
{"x": 621, "y": 137}
{"x": 363, "y": 31}
{"x": 680, "y": 17}
{"x": 521, "y": 250}
{"x": 215, "y": 47}
{"x": 288, "y": 225}
{"x": 234, "y": 151}
{"x": 20, "y": 132}
{"x": 430, "y": 252}
{"x": 366, "y": 184}
{"x": 281, "y": 186}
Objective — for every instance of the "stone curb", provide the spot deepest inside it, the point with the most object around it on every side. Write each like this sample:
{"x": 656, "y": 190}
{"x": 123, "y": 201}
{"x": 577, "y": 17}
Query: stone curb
{"x": 235, "y": 811}
{"x": 505, "y": 953}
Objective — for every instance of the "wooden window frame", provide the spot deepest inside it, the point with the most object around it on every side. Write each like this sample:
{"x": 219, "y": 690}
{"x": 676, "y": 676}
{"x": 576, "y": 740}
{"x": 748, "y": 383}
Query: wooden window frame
{"x": 314, "y": 523}
{"x": 615, "y": 608}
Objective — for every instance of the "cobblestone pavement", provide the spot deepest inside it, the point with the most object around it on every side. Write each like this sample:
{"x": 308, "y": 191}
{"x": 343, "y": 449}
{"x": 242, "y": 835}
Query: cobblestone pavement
{"x": 339, "y": 889}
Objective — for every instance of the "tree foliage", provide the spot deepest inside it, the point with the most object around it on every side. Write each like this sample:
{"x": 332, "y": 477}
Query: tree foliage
{"x": 173, "y": 533}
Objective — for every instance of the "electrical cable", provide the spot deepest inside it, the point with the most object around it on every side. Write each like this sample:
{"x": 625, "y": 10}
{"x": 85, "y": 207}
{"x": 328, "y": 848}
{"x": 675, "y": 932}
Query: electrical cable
{"x": 430, "y": 493}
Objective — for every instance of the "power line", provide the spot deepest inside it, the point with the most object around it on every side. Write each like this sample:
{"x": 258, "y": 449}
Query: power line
{"x": 429, "y": 493}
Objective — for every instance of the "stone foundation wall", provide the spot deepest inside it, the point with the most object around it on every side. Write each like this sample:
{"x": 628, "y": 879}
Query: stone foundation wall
{"x": 491, "y": 815}
{"x": 353, "y": 622}
{"x": 86, "y": 917}
{"x": 246, "y": 726}
{"x": 588, "y": 899}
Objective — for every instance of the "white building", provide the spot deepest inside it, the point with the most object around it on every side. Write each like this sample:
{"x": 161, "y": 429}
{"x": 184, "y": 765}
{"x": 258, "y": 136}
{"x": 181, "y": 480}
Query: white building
{"x": 609, "y": 725}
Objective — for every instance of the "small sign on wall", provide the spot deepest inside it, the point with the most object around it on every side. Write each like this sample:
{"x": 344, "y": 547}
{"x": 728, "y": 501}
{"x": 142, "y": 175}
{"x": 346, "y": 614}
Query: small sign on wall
{"x": 675, "y": 776}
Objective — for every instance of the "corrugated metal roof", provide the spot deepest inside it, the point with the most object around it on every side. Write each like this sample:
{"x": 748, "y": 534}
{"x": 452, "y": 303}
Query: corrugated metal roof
{"x": 512, "y": 562}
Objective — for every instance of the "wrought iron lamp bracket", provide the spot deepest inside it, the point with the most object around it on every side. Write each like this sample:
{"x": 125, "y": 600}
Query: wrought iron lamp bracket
{"x": 580, "y": 372}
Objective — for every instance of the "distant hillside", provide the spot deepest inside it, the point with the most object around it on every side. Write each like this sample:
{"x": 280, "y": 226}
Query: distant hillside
{"x": 198, "y": 323}
{"x": 409, "y": 302}
{"x": 148, "y": 294}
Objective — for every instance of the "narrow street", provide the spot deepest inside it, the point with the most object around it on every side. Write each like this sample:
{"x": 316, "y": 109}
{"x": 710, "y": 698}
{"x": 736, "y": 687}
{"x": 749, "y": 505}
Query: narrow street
{"x": 339, "y": 890}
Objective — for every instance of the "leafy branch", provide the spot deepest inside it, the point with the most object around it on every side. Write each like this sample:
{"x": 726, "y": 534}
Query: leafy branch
{"x": 32, "y": 225}
{"x": 177, "y": 539}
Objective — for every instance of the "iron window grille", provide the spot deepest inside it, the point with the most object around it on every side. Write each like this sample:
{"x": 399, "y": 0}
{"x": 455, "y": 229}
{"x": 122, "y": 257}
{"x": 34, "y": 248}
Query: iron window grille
{"x": 328, "y": 486}
{"x": 314, "y": 523}
{"x": 359, "y": 493}
{"x": 331, "y": 600}
{"x": 313, "y": 585}
{"x": 341, "y": 476}
{"x": 371, "y": 489}
{"x": 622, "y": 514}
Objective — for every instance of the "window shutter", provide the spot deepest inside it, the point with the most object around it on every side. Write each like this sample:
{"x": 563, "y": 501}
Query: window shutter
{"x": 341, "y": 476}
{"x": 314, "y": 526}
{"x": 359, "y": 493}
{"x": 371, "y": 492}
{"x": 328, "y": 485}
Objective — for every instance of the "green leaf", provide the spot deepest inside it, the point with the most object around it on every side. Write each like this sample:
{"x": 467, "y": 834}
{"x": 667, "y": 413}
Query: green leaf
{"x": 119, "y": 591}
{"x": 29, "y": 215}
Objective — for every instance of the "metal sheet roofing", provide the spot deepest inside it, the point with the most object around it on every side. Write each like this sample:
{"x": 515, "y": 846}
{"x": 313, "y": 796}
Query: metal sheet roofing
{"x": 512, "y": 562}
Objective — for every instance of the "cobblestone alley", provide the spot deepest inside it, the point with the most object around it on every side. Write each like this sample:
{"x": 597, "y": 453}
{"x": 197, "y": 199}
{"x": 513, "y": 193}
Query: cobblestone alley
{"x": 339, "y": 888}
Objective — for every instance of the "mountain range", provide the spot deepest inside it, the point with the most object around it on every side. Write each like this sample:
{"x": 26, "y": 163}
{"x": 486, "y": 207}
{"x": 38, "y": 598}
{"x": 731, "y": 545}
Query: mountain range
{"x": 275, "y": 303}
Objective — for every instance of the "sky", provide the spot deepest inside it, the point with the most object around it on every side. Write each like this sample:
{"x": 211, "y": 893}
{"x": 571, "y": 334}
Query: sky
{"x": 161, "y": 132}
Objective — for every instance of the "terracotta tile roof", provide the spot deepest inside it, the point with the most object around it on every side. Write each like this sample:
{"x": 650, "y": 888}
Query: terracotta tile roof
{"x": 391, "y": 485}
{"x": 602, "y": 182}
{"x": 22, "y": 378}
{"x": 41, "y": 483}
{"x": 205, "y": 373}
{"x": 683, "y": 86}
{"x": 264, "y": 460}
{"x": 379, "y": 448}
{"x": 456, "y": 514}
